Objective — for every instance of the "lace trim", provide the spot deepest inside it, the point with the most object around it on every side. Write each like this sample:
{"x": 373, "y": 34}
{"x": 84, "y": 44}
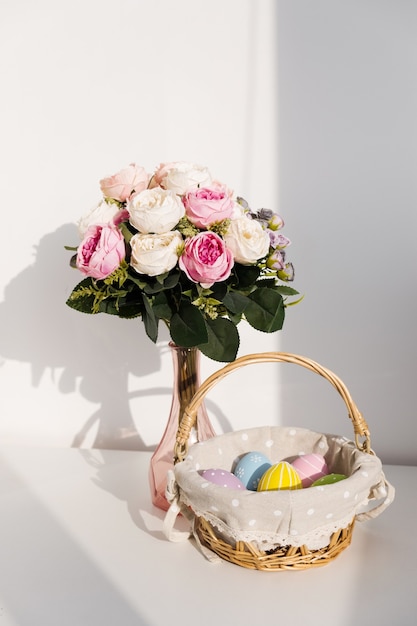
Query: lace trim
{"x": 313, "y": 540}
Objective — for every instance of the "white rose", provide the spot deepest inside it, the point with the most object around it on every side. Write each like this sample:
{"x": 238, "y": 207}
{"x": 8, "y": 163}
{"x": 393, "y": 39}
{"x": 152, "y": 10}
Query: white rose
{"x": 238, "y": 211}
{"x": 182, "y": 176}
{"x": 99, "y": 215}
{"x": 155, "y": 254}
{"x": 247, "y": 240}
{"x": 155, "y": 210}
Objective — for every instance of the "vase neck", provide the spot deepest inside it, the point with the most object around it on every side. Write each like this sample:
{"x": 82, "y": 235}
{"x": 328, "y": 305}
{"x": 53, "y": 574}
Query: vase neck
{"x": 186, "y": 366}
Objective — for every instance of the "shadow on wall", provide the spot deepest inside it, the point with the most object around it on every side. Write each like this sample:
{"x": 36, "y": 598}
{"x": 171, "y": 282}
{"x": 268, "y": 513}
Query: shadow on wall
{"x": 100, "y": 351}
{"x": 93, "y": 354}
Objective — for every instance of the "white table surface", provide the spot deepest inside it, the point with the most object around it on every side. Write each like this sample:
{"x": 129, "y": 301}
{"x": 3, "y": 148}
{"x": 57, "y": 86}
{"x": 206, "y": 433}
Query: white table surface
{"x": 81, "y": 544}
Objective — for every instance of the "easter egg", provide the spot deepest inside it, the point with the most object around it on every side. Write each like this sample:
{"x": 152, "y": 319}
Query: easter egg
{"x": 223, "y": 478}
{"x": 282, "y": 475}
{"x": 250, "y": 469}
{"x": 310, "y": 467}
{"x": 328, "y": 480}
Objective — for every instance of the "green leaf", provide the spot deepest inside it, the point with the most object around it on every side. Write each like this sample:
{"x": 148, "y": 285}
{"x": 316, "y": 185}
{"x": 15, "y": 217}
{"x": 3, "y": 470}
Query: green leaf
{"x": 153, "y": 287}
{"x": 187, "y": 326}
{"x": 130, "y": 305}
{"x": 265, "y": 310}
{"x": 284, "y": 290}
{"x": 82, "y": 297}
{"x": 149, "y": 319}
{"x": 127, "y": 231}
{"x": 109, "y": 306}
{"x": 246, "y": 275}
{"x": 235, "y": 302}
{"x": 161, "y": 306}
{"x": 161, "y": 277}
{"x": 295, "y": 301}
{"x": 266, "y": 282}
{"x": 171, "y": 280}
{"x": 223, "y": 340}
{"x": 159, "y": 283}
{"x": 127, "y": 309}
{"x": 218, "y": 291}
{"x": 235, "y": 318}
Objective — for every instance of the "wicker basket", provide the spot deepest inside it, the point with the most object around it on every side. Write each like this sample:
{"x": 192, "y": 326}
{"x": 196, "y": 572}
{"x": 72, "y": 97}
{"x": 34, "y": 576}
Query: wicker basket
{"x": 274, "y": 530}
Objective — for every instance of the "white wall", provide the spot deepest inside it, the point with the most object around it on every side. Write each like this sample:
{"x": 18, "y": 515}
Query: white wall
{"x": 348, "y": 186}
{"x": 88, "y": 87}
{"x": 306, "y": 107}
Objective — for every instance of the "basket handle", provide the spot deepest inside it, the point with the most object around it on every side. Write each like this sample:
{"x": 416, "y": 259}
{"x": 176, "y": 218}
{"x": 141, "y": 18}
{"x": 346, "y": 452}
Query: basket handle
{"x": 188, "y": 420}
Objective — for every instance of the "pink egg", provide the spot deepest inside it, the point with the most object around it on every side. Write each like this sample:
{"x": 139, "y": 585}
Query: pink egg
{"x": 223, "y": 478}
{"x": 310, "y": 467}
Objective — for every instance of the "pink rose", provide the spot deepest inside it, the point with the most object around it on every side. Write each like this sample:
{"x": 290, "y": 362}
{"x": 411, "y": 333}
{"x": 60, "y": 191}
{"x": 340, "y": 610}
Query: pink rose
{"x": 207, "y": 205}
{"x": 101, "y": 251}
{"x": 121, "y": 216}
{"x": 120, "y": 186}
{"x": 205, "y": 259}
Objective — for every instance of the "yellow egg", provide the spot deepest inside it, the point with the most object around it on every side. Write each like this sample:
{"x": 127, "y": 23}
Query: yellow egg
{"x": 280, "y": 476}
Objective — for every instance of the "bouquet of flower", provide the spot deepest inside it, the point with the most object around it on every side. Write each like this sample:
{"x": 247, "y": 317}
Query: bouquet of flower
{"x": 180, "y": 247}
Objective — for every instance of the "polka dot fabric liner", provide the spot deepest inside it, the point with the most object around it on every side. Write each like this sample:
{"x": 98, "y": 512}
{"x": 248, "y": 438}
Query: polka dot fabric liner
{"x": 306, "y": 516}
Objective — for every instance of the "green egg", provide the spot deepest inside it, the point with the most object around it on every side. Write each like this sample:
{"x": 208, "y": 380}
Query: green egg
{"x": 328, "y": 480}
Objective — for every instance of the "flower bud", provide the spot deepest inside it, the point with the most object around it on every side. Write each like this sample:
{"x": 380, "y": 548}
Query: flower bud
{"x": 277, "y": 240}
{"x": 276, "y": 222}
{"x": 276, "y": 261}
{"x": 286, "y": 274}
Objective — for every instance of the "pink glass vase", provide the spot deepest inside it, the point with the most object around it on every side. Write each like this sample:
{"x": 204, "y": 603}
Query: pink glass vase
{"x": 186, "y": 380}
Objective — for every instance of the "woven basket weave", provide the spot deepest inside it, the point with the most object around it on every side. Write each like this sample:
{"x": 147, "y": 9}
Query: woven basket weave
{"x": 246, "y": 530}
